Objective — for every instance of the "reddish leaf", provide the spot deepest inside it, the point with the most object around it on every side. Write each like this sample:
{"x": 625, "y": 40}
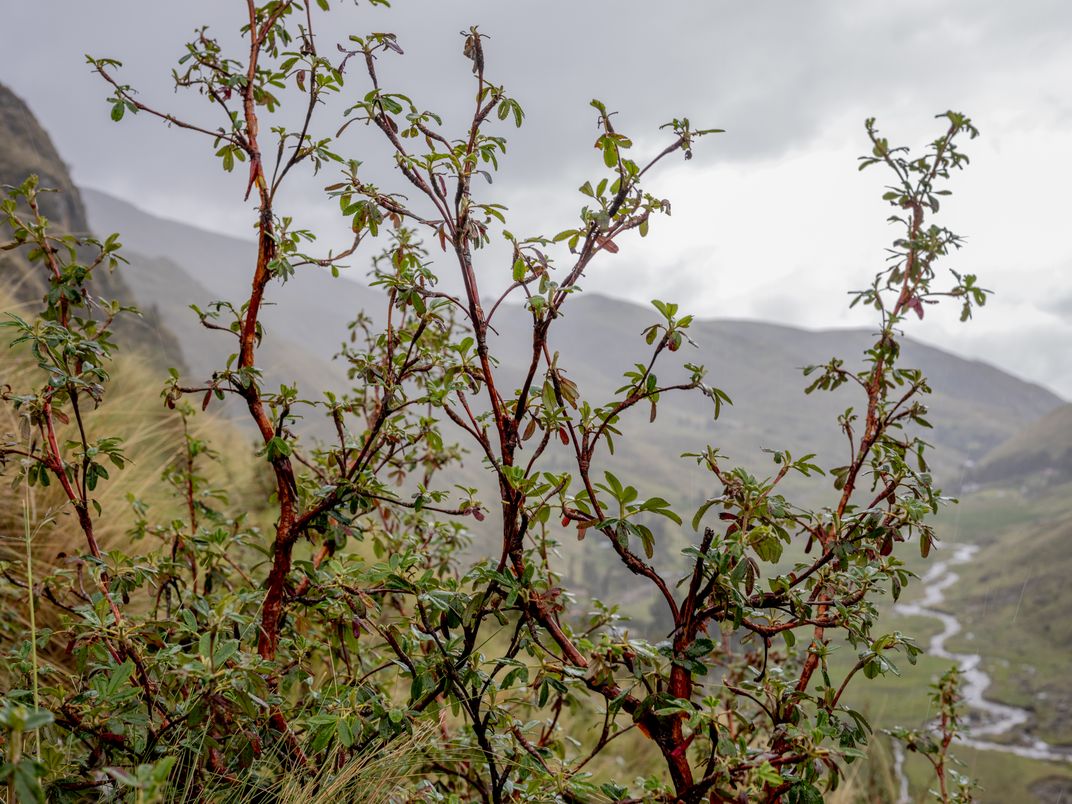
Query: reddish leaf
{"x": 607, "y": 244}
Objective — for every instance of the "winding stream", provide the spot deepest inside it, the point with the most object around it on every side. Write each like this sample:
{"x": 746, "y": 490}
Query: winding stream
{"x": 988, "y": 718}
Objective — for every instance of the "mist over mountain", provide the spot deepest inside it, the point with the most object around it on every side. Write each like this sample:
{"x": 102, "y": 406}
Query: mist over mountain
{"x": 173, "y": 266}
{"x": 975, "y": 406}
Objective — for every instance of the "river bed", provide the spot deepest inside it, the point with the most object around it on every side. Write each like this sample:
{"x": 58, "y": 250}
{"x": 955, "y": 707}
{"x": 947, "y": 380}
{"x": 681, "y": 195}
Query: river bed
{"x": 987, "y": 718}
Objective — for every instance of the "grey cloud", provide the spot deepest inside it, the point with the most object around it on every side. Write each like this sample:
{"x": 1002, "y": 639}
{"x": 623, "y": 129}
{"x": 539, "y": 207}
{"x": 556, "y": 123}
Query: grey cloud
{"x": 771, "y": 74}
{"x": 1060, "y": 305}
{"x": 782, "y": 78}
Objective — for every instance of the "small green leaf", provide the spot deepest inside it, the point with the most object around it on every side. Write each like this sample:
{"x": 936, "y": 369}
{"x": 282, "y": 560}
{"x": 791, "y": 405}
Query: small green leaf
{"x": 610, "y": 152}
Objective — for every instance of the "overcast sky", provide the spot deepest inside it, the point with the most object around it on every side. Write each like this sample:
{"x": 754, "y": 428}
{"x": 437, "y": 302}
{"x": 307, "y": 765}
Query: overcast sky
{"x": 771, "y": 220}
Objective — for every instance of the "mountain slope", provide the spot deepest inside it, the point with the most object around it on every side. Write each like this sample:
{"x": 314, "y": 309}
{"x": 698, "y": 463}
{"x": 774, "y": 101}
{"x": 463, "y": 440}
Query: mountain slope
{"x": 312, "y": 310}
{"x": 975, "y": 406}
{"x": 170, "y": 290}
{"x": 25, "y": 149}
{"x": 1041, "y": 452}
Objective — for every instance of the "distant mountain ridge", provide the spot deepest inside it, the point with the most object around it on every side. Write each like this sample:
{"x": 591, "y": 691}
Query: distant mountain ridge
{"x": 312, "y": 309}
{"x": 975, "y": 405}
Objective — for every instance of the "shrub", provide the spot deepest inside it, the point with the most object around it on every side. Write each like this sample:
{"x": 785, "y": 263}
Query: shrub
{"x": 223, "y": 661}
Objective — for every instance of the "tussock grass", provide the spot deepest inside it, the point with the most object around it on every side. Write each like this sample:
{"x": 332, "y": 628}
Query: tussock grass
{"x": 152, "y": 436}
{"x": 373, "y": 777}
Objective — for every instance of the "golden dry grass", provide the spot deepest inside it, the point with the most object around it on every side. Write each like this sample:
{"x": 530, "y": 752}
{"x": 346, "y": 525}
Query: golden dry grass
{"x": 152, "y": 438}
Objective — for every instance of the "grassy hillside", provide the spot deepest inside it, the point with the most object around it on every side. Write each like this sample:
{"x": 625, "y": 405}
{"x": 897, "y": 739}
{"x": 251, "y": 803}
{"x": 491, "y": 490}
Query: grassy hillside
{"x": 1013, "y": 601}
{"x": 152, "y": 437}
{"x": 1010, "y": 601}
{"x": 1039, "y": 454}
